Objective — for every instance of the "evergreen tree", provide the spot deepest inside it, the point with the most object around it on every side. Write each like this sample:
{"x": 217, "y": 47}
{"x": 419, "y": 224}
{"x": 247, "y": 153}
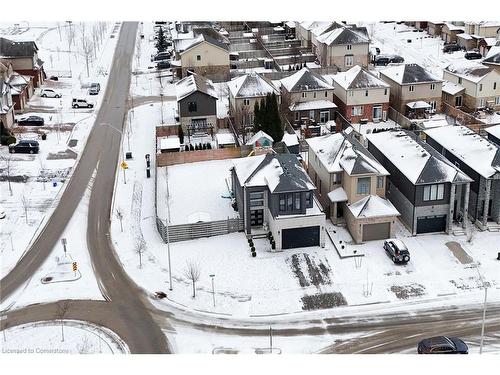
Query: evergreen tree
{"x": 161, "y": 42}
{"x": 275, "y": 128}
{"x": 257, "y": 122}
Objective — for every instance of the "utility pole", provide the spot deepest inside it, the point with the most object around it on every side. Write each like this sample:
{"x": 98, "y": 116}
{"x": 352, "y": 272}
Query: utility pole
{"x": 484, "y": 318}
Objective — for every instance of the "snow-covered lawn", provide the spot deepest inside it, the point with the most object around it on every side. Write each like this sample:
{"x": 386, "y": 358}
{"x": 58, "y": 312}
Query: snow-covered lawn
{"x": 46, "y": 338}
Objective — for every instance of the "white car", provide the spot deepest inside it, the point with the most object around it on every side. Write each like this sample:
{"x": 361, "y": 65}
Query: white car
{"x": 49, "y": 93}
{"x": 2, "y": 213}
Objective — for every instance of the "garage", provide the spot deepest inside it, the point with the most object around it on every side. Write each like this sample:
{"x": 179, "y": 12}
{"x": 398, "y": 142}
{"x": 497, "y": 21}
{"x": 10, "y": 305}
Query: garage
{"x": 300, "y": 237}
{"x": 378, "y": 231}
{"x": 430, "y": 224}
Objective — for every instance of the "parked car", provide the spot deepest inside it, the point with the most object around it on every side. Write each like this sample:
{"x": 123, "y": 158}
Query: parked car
{"x": 381, "y": 60}
{"x": 396, "y": 59}
{"x": 442, "y": 345}
{"x": 25, "y": 146}
{"x": 397, "y": 250}
{"x": 49, "y": 93}
{"x": 473, "y": 55}
{"x": 94, "y": 88}
{"x": 163, "y": 64}
{"x": 81, "y": 103}
{"x": 451, "y": 48}
{"x": 2, "y": 212}
{"x": 31, "y": 121}
{"x": 162, "y": 56}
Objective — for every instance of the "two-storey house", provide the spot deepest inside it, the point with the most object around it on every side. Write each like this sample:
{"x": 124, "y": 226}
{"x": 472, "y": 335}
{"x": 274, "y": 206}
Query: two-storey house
{"x": 480, "y": 160}
{"x": 413, "y": 90}
{"x": 351, "y": 186}
{"x": 307, "y": 95}
{"x": 274, "y": 193}
{"x": 6, "y": 102}
{"x": 481, "y": 85}
{"x": 361, "y": 96}
{"x": 426, "y": 188}
{"x": 24, "y": 58}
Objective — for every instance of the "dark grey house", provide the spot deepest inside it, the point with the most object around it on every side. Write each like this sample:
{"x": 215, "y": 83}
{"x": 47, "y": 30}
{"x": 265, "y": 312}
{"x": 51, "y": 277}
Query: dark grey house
{"x": 480, "y": 160}
{"x": 493, "y": 134}
{"x": 426, "y": 188}
{"x": 196, "y": 104}
{"x": 274, "y": 193}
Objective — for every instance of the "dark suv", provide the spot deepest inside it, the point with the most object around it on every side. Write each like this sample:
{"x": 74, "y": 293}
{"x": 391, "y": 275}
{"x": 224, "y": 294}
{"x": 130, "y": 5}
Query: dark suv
{"x": 442, "y": 345}
{"x": 473, "y": 55}
{"x": 451, "y": 48}
{"x": 397, "y": 250}
{"x": 31, "y": 121}
{"x": 25, "y": 147}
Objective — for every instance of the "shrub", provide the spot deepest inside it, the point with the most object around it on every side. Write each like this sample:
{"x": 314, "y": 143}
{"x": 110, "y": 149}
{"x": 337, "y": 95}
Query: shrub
{"x": 7, "y": 140}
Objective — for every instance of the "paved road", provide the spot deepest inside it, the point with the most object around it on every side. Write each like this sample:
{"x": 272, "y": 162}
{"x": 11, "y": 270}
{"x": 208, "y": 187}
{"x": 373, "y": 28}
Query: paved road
{"x": 127, "y": 310}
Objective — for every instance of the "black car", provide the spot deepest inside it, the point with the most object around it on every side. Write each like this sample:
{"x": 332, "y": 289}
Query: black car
{"x": 162, "y": 56}
{"x": 396, "y": 59}
{"x": 442, "y": 345}
{"x": 163, "y": 64}
{"x": 25, "y": 147}
{"x": 31, "y": 121}
{"x": 397, "y": 250}
{"x": 472, "y": 55}
{"x": 451, "y": 48}
{"x": 381, "y": 60}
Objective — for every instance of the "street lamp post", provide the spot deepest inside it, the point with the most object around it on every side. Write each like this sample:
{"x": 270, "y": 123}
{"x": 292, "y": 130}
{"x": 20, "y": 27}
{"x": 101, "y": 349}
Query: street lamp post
{"x": 484, "y": 318}
{"x": 161, "y": 110}
{"x": 213, "y": 288}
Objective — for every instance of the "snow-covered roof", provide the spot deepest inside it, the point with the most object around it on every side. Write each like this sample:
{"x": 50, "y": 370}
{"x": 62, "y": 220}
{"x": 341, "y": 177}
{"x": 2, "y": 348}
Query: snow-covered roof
{"x": 369, "y": 127}
{"x": 477, "y": 152}
{"x": 321, "y": 27}
{"x": 290, "y": 24}
{"x": 494, "y": 131}
{"x": 453, "y": 27}
{"x": 358, "y": 78}
{"x": 372, "y": 206}
{"x": 251, "y": 85}
{"x": 170, "y": 143}
{"x": 337, "y": 195}
{"x": 490, "y": 42}
{"x": 280, "y": 173}
{"x": 185, "y": 45}
{"x": 345, "y": 35}
{"x": 493, "y": 59}
{"x": 494, "y": 50}
{"x": 290, "y": 139}
{"x": 419, "y": 104}
{"x": 260, "y": 134}
{"x": 465, "y": 36}
{"x": 192, "y": 83}
{"x": 470, "y": 70}
{"x": 452, "y": 88}
{"x": 305, "y": 80}
{"x": 313, "y": 104}
{"x": 418, "y": 161}
{"x": 341, "y": 151}
{"x": 430, "y": 124}
{"x": 407, "y": 74}
{"x": 225, "y": 138}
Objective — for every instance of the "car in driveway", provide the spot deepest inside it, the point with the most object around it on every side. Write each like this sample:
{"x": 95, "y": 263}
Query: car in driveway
{"x": 162, "y": 56}
{"x": 81, "y": 103}
{"x": 442, "y": 345}
{"x": 448, "y": 48}
{"x": 473, "y": 55}
{"x": 165, "y": 64}
{"x": 396, "y": 250}
{"x": 387, "y": 59}
{"x": 94, "y": 88}
{"x": 31, "y": 121}
{"x": 49, "y": 93}
{"x": 25, "y": 146}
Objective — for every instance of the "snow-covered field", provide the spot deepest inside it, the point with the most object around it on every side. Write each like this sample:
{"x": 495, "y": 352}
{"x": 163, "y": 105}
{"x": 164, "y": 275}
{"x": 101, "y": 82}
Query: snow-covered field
{"x": 47, "y": 338}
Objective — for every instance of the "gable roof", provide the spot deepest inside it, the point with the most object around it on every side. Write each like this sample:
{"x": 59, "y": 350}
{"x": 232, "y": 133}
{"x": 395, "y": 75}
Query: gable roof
{"x": 260, "y": 134}
{"x": 409, "y": 74}
{"x": 305, "y": 80}
{"x": 493, "y": 130}
{"x": 372, "y": 206}
{"x": 10, "y": 48}
{"x": 192, "y": 83}
{"x": 470, "y": 70}
{"x": 184, "y": 45}
{"x": 280, "y": 173}
{"x": 493, "y": 59}
{"x": 358, "y": 78}
{"x": 415, "y": 159}
{"x": 477, "y": 152}
{"x": 341, "y": 151}
{"x": 251, "y": 85}
{"x": 345, "y": 35}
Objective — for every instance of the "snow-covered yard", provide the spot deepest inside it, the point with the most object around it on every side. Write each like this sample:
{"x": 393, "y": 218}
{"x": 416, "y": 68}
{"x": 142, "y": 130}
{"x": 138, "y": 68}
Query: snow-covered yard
{"x": 47, "y": 338}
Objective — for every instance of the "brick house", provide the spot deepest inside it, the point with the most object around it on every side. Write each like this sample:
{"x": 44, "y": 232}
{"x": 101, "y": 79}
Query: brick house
{"x": 24, "y": 59}
{"x": 351, "y": 186}
{"x": 6, "y": 101}
{"x": 413, "y": 89}
{"x": 427, "y": 189}
{"x": 480, "y": 160}
{"x": 361, "y": 96}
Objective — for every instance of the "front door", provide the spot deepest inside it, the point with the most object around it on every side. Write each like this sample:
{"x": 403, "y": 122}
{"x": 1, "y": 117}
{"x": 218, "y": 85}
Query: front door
{"x": 458, "y": 101}
{"x": 256, "y": 217}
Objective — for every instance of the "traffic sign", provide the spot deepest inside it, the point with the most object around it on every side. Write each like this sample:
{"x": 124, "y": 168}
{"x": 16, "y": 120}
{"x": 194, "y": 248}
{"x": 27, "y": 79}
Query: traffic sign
{"x": 75, "y": 266}
{"x": 124, "y": 165}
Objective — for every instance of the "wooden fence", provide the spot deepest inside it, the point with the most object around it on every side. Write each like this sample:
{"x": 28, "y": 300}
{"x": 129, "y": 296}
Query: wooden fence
{"x": 185, "y": 232}
{"x": 173, "y": 158}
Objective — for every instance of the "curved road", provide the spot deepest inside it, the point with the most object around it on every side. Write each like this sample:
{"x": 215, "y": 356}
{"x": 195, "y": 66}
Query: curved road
{"x": 128, "y": 311}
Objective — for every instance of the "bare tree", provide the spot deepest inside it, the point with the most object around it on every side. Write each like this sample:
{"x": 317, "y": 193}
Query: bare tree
{"x": 8, "y": 168}
{"x": 25, "y": 202}
{"x": 192, "y": 272}
{"x": 119, "y": 215}
{"x": 85, "y": 347}
{"x": 62, "y": 310}
{"x": 70, "y": 38}
{"x": 87, "y": 46}
{"x": 139, "y": 248}
{"x": 42, "y": 168}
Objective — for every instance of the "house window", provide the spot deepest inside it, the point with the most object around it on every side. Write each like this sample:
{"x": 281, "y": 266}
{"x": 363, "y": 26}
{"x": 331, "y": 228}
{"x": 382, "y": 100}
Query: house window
{"x": 304, "y": 94}
{"x": 366, "y": 92}
{"x": 349, "y": 47}
{"x": 385, "y": 92}
{"x": 324, "y": 116}
{"x": 357, "y": 110}
{"x": 380, "y": 182}
{"x": 198, "y": 57}
{"x": 494, "y": 85}
{"x": 377, "y": 111}
{"x": 297, "y": 201}
{"x": 289, "y": 202}
{"x": 460, "y": 80}
{"x": 326, "y": 94}
{"x": 350, "y": 93}
{"x": 309, "y": 199}
{"x": 246, "y": 101}
{"x": 433, "y": 105}
{"x": 363, "y": 185}
{"x": 480, "y": 87}
{"x": 337, "y": 178}
{"x": 433, "y": 192}
{"x": 257, "y": 199}
{"x": 481, "y": 103}
{"x": 296, "y": 116}
{"x": 192, "y": 107}
{"x": 282, "y": 202}
{"x": 314, "y": 95}
{"x": 497, "y": 100}
{"x": 411, "y": 88}
{"x": 433, "y": 86}
{"x": 349, "y": 60}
